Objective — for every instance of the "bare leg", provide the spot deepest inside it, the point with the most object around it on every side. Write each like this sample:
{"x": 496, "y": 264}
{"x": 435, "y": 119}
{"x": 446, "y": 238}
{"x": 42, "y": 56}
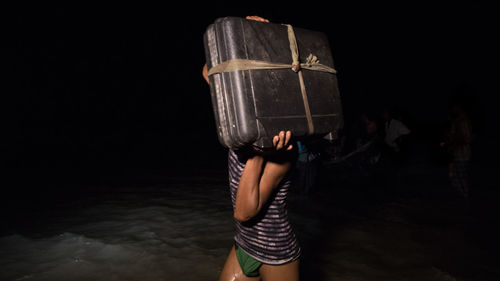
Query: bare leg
{"x": 232, "y": 270}
{"x": 286, "y": 272}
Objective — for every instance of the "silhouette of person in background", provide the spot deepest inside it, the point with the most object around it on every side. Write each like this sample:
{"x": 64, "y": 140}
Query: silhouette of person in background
{"x": 306, "y": 168}
{"x": 395, "y": 136}
{"x": 369, "y": 140}
{"x": 458, "y": 144}
{"x": 369, "y": 129}
{"x": 394, "y": 146}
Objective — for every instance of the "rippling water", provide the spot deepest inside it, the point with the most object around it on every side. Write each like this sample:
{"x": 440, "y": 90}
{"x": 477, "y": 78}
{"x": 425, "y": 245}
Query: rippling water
{"x": 182, "y": 230}
{"x": 153, "y": 233}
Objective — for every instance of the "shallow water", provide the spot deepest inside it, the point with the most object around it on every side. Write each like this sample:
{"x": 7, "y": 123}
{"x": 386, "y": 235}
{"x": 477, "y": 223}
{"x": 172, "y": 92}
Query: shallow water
{"x": 162, "y": 232}
{"x": 181, "y": 229}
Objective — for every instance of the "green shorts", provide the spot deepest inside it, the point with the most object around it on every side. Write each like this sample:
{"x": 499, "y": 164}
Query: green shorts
{"x": 249, "y": 266}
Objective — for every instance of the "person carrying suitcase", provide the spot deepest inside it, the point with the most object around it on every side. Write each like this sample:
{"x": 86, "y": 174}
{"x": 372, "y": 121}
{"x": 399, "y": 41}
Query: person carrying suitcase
{"x": 265, "y": 244}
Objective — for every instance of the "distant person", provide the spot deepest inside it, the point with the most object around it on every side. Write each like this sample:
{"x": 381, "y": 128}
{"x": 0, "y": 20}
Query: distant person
{"x": 306, "y": 171}
{"x": 395, "y": 137}
{"x": 370, "y": 140}
{"x": 458, "y": 144}
{"x": 334, "y": 147}
{"x": 265, "y": 245}
{"x": 369, "y": 129}
{"x": 369, "y": 132}
{"x": 395, "y": 131}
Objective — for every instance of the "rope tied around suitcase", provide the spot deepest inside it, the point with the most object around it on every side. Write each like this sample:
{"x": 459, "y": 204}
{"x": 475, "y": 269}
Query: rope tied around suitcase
{"x": 311, "y": 63}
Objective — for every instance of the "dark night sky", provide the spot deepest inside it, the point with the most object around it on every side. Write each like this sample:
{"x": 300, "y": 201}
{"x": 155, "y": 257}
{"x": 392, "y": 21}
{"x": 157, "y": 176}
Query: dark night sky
{"x": 121, "y": 85}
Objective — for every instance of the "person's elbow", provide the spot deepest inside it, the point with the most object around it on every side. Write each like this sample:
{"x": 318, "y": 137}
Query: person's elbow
{"x": 245, "y": 214}
{"x": 241, "y": 217}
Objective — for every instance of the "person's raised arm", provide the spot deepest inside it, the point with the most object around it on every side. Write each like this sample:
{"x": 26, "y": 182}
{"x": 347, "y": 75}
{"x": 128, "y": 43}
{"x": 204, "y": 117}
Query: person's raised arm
{"x": 261, "y": 175}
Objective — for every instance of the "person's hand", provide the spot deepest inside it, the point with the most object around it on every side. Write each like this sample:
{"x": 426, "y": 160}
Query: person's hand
{"x": 204, "y": 73}
{"x": 257, "y": 18}
{"x": 282, "y": 141}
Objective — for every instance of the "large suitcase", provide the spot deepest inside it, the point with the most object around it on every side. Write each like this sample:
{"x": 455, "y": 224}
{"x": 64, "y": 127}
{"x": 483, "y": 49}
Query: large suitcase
{"x": 252, "y": 104}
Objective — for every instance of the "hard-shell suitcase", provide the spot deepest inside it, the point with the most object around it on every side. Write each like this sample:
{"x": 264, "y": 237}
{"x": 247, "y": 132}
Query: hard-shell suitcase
{"x": 251, "y": 105}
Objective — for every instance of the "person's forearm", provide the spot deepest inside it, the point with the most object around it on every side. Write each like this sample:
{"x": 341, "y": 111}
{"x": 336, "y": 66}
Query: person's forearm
{"x": 248, "y": 195}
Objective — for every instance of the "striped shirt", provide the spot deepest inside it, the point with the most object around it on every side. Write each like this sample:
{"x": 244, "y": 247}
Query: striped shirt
{"x": 268, "y": 237}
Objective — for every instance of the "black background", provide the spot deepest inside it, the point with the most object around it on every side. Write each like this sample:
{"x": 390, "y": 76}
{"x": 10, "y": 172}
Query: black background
{"x": 92, "y": 89}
